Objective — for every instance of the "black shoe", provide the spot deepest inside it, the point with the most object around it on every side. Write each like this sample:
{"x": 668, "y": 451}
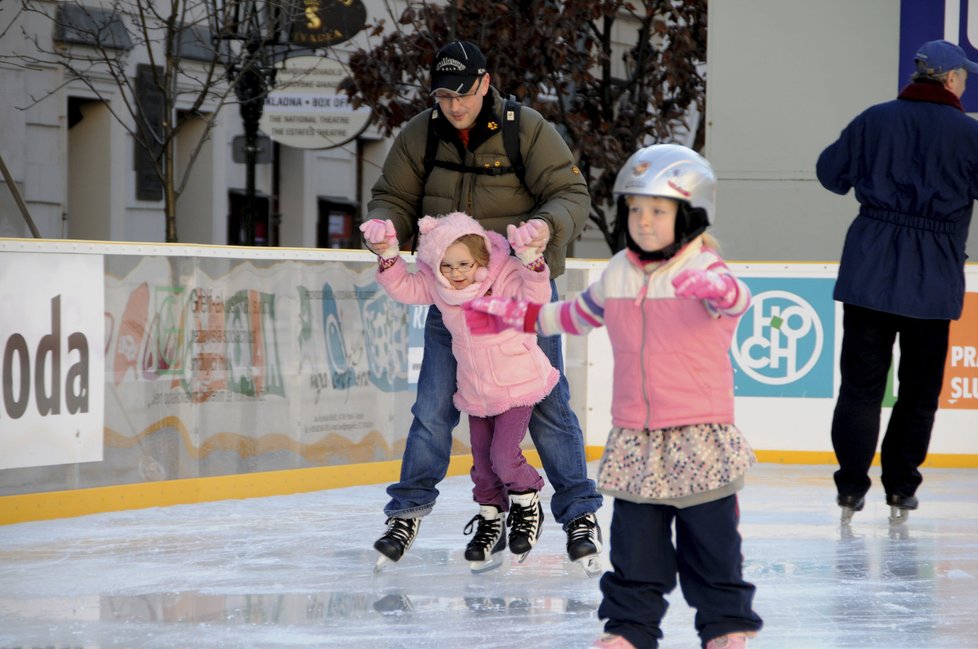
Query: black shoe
{"x": 525, "y": 518}
{"x": 902, "y": 502}
{"x": 490, "y": 534}
{"x": 583, "y": 537}
{"x": 399, "y": 536}
{"x": 855, "y": 503}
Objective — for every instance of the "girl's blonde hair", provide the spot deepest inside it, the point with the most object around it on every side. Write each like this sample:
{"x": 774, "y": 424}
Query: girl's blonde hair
{"x": 711, "y": 242}
{"x": 477, "y": 247}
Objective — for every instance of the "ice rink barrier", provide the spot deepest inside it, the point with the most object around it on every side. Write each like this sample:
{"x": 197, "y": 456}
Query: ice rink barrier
{"x": 139, "y": 375}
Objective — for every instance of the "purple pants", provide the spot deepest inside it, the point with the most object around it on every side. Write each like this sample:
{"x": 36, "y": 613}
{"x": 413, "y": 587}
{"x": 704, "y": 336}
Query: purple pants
{"x": 498, "y": 465}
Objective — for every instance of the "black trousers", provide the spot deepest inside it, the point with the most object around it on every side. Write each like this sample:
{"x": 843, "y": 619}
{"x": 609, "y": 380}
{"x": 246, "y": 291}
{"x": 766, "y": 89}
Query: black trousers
{"x": 867, "y": 352}
{"x": 706, "y": 556}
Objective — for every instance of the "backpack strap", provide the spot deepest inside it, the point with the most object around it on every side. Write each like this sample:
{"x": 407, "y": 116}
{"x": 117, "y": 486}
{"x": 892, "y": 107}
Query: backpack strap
{"x": 430, "y": 149}
{"x": 511, "y": 143}
{"x": 511, "y": 137}
{"x": 428, "y": 162}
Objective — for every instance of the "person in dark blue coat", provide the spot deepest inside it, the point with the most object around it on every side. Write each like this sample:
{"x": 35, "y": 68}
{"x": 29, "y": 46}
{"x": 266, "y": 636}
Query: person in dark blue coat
{"x": 913, "y": 163}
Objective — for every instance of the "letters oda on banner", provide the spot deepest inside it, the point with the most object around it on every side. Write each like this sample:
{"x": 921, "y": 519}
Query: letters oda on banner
{"x": 52, "y": 359}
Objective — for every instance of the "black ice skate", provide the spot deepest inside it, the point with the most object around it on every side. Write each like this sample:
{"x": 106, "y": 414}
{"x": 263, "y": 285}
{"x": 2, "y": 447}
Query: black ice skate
{"x": 584, "y": 544}
{"x": 525, "y": 520}
{"x": 850, "y": 505}
{"x": 399, "y": 536}
{"x": 900, "y": 506}
{"x": 483, "y": 551}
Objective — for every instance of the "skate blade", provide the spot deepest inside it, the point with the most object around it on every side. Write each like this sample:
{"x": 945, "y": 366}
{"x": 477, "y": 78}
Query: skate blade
{"x": 481, "y": 567}
{"x": 898, "y": 516}
{"x": 382, "y": 561}
{"x": 591, "y": 564}
{"x": 520, "y": 558}
{"x": 847, "y": 514}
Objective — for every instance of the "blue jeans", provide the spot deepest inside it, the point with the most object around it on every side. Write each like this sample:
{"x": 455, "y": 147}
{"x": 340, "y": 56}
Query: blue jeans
{"x": 554, "y": 429}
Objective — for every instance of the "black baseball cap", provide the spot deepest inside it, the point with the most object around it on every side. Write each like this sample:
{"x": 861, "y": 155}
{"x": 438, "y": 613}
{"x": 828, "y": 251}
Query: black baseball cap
{"x": 457, "y": 66}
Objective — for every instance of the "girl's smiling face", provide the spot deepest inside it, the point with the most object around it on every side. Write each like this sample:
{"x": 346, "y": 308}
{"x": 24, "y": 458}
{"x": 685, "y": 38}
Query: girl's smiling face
{"x": 458, "y": 265}
{"x": 652, "y": 221}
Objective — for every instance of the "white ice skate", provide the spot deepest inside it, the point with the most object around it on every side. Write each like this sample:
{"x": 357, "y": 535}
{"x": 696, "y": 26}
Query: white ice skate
{"x": 484, "y": 551}
{"x": 900, "y": 507}
{"x": 525, "y": 520}
{"x": 396, "y": 540}
{"x": 584, "y": 544}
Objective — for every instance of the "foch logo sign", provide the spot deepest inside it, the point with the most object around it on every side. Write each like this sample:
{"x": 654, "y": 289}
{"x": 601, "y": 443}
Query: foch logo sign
{"x": 784, "y": 344}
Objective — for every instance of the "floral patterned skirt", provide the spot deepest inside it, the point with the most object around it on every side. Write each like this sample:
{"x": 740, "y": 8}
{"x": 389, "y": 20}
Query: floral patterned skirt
{"x": 673, "y": 463}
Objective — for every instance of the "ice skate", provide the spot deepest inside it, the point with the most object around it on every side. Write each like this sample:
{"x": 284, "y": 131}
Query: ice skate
{"x": 611, "y": 641}
{"x": 525, "y": 520}
{"x": 850, "y": 505}
{"x": 394, "y": 542}
{"x": 484, "y": 550}
{"x": 730, "y": 641}
{"x": 584, "y": 544}
{"x": 900, "y": 506}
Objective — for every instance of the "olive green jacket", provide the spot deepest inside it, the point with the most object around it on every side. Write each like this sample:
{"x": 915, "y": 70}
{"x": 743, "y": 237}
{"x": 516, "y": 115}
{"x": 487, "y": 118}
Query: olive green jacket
{"x": 555, "y": 191}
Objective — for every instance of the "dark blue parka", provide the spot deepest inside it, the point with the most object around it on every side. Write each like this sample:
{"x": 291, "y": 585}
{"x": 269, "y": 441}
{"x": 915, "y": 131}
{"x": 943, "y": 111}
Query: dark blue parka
{"x": 913, "y": 163}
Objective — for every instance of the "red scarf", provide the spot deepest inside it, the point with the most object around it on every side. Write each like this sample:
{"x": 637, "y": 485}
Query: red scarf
{"x": 924, "y": 91}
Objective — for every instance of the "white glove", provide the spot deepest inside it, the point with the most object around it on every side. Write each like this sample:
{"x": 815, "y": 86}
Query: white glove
{"x": 522, "y": 240}
{"x": 381, "y": 238}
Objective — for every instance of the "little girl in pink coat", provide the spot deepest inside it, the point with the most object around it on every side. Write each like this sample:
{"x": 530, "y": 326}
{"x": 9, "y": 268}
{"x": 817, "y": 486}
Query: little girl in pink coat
{"x": 500, "y": 376}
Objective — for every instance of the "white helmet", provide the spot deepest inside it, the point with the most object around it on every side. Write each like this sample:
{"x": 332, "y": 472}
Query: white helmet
{"x": 672, "y": 171}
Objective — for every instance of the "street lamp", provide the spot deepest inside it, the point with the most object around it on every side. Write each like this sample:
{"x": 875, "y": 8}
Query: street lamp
{"x": 259, "y": 28}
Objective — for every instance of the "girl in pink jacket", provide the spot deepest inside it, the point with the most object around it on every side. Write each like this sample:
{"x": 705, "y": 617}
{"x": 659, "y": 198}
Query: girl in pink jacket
{"x": 674, "y": 455}
{"x": 499, "y": 378}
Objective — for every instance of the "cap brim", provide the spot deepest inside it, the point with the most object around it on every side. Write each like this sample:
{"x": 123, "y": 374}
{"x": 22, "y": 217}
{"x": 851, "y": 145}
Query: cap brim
{"x": 970, "y": 66}
{"x": 458, "y": 83}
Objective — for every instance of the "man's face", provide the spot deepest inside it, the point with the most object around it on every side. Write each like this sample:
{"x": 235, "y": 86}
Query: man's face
{"x": 462, "y": 109}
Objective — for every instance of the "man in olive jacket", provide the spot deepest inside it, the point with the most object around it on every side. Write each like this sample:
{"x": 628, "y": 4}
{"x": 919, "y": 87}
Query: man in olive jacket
{"x": 473, "y": 174}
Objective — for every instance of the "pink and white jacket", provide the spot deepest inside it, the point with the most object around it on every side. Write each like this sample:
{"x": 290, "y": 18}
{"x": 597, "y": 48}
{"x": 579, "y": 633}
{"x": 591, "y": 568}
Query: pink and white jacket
{"x": 495, "y": 372}
{"x": 671, "y": 363}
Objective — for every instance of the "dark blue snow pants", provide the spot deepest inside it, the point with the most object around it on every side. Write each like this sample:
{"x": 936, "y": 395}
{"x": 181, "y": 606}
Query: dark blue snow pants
{"x": 706, "y": 557}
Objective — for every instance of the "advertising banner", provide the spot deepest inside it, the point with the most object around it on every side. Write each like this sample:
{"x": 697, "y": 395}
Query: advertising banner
{"x": 928, "y": 20}
{"x": 784, "y": 345}
{"x": 52, "y": 339}
{"x": 961, "y": 367}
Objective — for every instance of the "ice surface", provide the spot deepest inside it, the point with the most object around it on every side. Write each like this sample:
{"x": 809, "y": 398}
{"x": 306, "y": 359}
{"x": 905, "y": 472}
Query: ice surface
{"x": 297, "y": 571}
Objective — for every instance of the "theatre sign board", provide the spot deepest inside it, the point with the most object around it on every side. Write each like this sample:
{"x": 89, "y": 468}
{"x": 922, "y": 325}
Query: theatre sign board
{"x": 307, "y": 110}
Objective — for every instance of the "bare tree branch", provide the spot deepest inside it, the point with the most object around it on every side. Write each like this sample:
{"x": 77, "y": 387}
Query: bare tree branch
{"x": 190, "y": 73}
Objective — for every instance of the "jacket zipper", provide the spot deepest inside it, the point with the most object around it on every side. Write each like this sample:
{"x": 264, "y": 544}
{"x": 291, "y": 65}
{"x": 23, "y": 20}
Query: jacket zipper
{"x": 645, "y": 393}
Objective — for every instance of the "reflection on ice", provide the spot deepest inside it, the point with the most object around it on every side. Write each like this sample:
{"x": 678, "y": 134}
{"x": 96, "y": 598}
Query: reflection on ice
{"x": 297, "y": 571}
{"x": 292, "y": 609}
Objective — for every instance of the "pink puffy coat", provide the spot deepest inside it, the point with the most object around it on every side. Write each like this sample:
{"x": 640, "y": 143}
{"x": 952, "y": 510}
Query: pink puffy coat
{"x": 671, "y": 355}
{"x": 495, "y": 372}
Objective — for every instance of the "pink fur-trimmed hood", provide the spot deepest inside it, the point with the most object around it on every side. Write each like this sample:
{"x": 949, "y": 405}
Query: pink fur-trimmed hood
{"x": 438, "y": 233}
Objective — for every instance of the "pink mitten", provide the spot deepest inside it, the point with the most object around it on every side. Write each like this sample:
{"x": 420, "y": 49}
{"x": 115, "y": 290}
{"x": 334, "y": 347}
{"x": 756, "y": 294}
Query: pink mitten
{"x": 522, "y": 239}
{"x": 490, "y": 315}
{"x": 718, "y": 289}
{"x": 381, "y": 238}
